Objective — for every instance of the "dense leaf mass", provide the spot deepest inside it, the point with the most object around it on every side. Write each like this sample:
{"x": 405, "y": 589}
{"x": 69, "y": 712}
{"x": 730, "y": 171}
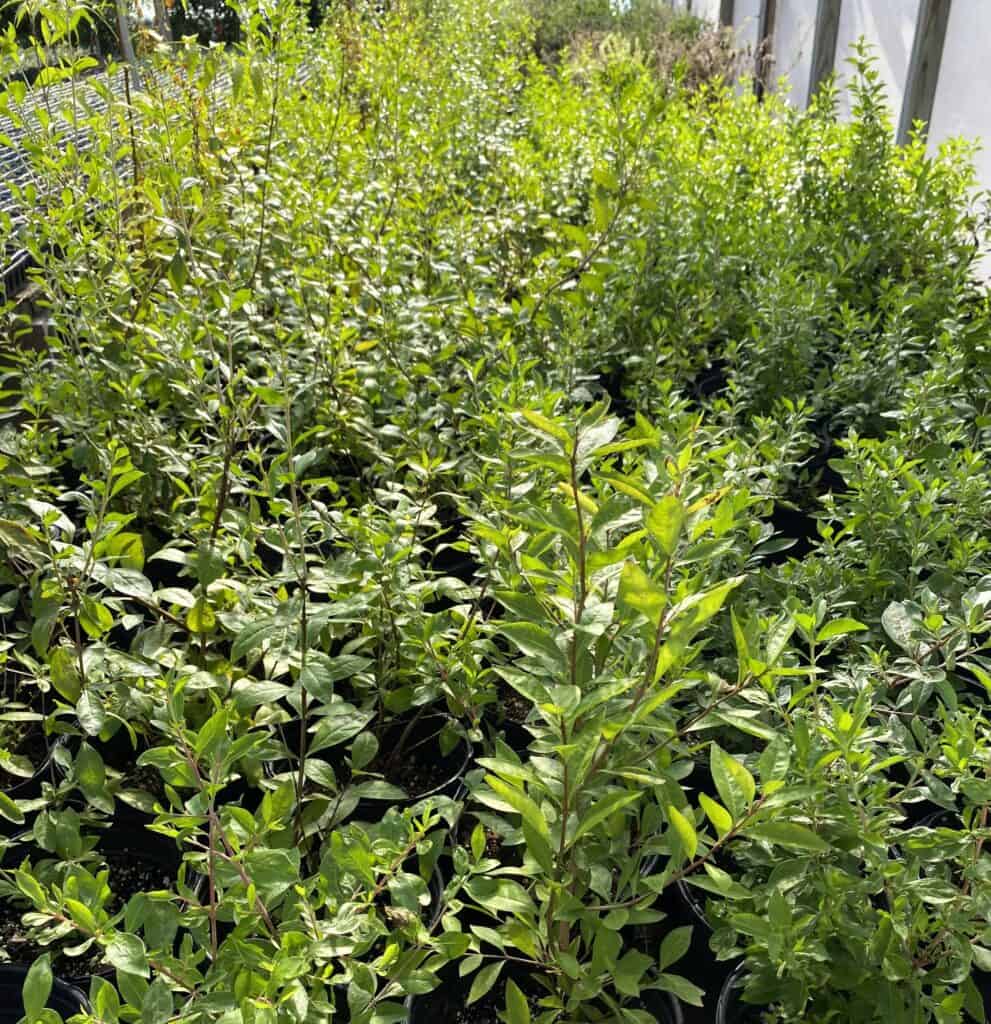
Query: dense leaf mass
{"x": 506, "y": 511}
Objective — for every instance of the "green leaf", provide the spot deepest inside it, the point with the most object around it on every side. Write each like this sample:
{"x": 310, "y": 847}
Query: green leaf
{"x": 254, "y": 635}
{"x": 721, "y": 819}
{"x": 499, "y": 894}
{"x": 341, "y": 723}
{"x": 95, "y": 617}
{"x": 629, "y": 971}
{"x": 127, "y": 549}
{"x": 839, "y": 627}
{"x": 686, "y": 831}
{"x": 788, "y": 835}
{"x": 521, "y": 803}
{"x": 64, "y": 667}
{"x": 680, "y": 987}
{"x": 483, "y": 981}
{"x": 322, "y": 672}
{"x": 602, "y": 810}
{"x": 363, "y": 750}
{"x": 272, "y": 871}
{"x": 92, "y": 776}
{"x": 201, "y": 618}
{"x": 900, "y": 622}
{"x": 156, "y": 1007}
{"x": 10, "y": 810}
{"x": 127, "y": 953}
{"x": 982, "y": 957}
{"x": 517, "y": 1007}
{"x": 535, "y": 641}
{"x": 720, "y": 882}
{"x": 547, "y": 427}
{"x": 638, "y": 591}
{"x": 90, "y": 712}
{"x": 733, "y": 781}
{"x": 973, "y": 1000}
{"x": 664, "y": 522}
{"x": 37, "y": 987}
{"x": 674, "y": 946}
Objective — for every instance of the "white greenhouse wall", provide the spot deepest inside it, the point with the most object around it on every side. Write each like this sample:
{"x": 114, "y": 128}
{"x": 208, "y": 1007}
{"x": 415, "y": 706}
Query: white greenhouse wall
{"x": 746, "y": 22}
{"x": 794, "y": 37}
{"x": 962, "y": 101}
{"x": 890, "y": 26}
{"x": 963, "y": 97}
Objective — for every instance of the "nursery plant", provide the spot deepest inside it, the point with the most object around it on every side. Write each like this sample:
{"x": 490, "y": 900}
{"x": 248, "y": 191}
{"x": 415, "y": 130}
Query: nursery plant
{"x": 493, "y": 528}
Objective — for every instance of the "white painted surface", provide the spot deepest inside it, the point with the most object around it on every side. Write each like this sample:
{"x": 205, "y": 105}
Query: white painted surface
{"x": 889, "y": 26}
{"x": 708, "y": 9}
{"x": 794, "y": 37}
{"x": 746, "y": 21}
{"x": 963, "y": 94}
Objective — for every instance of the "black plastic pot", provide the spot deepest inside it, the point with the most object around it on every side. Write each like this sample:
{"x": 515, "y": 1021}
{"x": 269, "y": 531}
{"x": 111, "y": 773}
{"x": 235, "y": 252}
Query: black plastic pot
{"x": 730, "y": 1009}
{"x": 30, "y": 788}
{"x": 64, "y": 998}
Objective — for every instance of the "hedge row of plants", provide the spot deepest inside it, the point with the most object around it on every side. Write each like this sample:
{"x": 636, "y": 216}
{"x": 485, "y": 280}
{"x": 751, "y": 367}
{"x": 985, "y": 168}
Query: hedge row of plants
{"x": 492, "y": 541}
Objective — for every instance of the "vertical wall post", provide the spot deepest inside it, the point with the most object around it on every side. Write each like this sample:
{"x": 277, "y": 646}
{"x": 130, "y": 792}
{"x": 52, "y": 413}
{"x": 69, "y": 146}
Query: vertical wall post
{"x": 824, "y": 47}
{"x": 765, "y": 47}
{"x": 923, "y": 67}
{"x": 726, "y": 12}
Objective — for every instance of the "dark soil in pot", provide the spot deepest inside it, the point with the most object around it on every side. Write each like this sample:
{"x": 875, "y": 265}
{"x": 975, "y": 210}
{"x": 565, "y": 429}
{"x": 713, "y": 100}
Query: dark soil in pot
{"x": 711, "y": 380}
{"x": 507, "y": 716}
{"x": 515, "y": 707}
{"x": 422, "y": 773}
{"x": 63, "y": 998}
{"x": 22, "y": 950}
{"x": 410, "y": 757}
{"x": 796, "y": 525}
{"x": 136, "y": 860}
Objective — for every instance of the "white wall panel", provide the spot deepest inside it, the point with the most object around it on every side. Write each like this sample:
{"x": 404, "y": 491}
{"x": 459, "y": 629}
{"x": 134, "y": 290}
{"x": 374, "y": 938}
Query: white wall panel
{"x": 746, "y": 21}
{"x": 889, "y": 26}
{"x": 794, "y": 37}
{"x": 708, "y": 9}
{"x": 963, "y": 94}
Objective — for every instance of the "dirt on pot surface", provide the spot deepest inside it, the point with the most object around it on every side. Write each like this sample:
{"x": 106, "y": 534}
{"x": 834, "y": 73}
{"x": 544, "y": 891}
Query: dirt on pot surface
{"x": 130, "y": 874}
{"x": 17, "y": 947}
{"x": 515, "y": 707}
{"x": 419, "y": 770}
{"x": 148, "y": 780}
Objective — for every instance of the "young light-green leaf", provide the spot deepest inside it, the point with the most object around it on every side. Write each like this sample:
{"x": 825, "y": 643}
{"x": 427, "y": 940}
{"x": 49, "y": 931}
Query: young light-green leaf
{"x": 674, "y": 946}
{"x": 602, "y": 810}
{"x": 685, "y": 829}
{"x": 721, "y": 819}
{"x": 10, "y": 810}
{"x": 664, "y": 522}
{"x": 521, "y": 803}
{"x": 483, "y": 981}
{"x": 839, "y": 627}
